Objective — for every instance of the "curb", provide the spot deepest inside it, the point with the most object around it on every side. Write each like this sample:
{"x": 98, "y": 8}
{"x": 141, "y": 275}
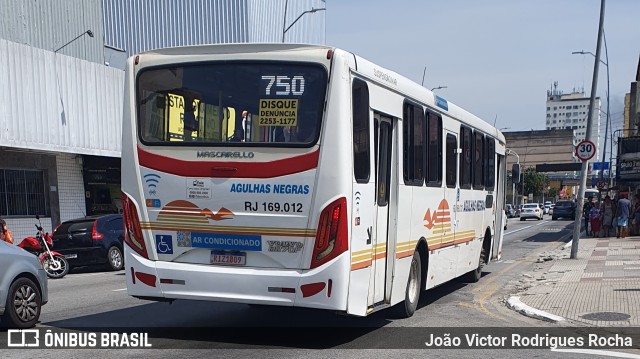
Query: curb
{"x": 570, "y": 235}
{"x": 515, "y": 304}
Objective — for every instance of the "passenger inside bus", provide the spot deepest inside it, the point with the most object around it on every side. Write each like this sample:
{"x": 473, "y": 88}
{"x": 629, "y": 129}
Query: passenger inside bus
{"x": 238, "y": 135}
{"x": 190, "y": 120}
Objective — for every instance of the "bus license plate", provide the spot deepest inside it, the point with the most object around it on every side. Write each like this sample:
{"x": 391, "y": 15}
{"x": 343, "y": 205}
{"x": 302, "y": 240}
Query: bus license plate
{"x": 229, "y": 259}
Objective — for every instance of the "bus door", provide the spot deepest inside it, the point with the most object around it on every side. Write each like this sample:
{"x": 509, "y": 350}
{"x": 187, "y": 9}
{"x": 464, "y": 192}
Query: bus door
{"x": 448, "y": 210}
{"x": 382, "y": 248}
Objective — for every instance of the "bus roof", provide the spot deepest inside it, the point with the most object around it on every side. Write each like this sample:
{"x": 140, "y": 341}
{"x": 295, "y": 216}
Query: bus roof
{"x": 378, "y": 74}
{"x": 423, "y": 95}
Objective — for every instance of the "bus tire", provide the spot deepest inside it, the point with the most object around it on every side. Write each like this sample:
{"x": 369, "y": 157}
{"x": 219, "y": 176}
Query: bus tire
{"x": 406, "y": 308}
{"x": 474, "y": 275}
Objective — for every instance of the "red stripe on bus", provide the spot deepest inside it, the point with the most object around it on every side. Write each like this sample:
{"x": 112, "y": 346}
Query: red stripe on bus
{"x": 380, "y": 256}
{"x": 361, "y": 265}
{"x": 404, "y": 254}
{"x": 277, "y": 168}
{"x": 452, "y": 243}
{"x": 275, "y": 234}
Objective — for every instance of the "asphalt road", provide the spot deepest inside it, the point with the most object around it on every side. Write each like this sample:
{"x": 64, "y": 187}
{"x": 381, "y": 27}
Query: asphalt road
{"x": 92, "y": 298}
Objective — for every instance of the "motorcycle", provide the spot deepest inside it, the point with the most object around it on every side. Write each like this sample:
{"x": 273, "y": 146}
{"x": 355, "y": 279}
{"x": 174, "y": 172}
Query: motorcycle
{"x": 54, "y": 263}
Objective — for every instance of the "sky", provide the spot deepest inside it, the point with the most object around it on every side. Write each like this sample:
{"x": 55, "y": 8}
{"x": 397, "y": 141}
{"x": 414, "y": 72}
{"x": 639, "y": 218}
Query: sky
{"x": 497, "y": 58}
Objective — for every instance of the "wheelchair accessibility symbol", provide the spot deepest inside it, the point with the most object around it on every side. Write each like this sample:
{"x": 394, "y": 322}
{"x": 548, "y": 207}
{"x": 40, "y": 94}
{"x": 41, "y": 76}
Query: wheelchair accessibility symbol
{"x": 164, "y": 244}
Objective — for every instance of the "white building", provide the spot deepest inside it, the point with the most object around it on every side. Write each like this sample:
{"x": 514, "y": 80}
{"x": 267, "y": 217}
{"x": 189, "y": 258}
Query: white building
{"x": 570, "y": 112}
{"x": 61, "y": 81}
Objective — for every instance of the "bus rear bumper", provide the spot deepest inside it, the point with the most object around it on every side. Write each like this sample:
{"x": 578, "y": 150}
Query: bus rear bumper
{"x": 318, "y": 288}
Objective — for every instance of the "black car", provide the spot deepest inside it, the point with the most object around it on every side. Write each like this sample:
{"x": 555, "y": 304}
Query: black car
{"x": 564, "y": 209}
{"x": 94, "y": 240}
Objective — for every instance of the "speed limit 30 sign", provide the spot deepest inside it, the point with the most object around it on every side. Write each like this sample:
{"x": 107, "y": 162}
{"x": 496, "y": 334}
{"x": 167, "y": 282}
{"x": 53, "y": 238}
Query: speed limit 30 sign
{"x": 585, "y": 150}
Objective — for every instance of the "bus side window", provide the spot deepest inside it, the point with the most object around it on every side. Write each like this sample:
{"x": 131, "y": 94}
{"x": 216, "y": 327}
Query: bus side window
{"x": 478, "y": 160}
{"x": 433, "y": 148}
{"x": 413, "y": 134}
{"x": 490, "y": 163}
{"x": 452, "y": 160}
{"x": 466, "y": 169}
{"x": 361, "y": 133}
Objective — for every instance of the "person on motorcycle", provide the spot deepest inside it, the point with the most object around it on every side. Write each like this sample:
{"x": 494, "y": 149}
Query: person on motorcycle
{"x": 5, "y": 233}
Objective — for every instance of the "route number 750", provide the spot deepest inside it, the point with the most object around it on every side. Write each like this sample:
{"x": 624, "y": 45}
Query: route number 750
{"x": 284, "y": 85}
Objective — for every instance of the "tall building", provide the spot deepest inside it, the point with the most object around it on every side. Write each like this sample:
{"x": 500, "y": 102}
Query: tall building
{"x": 570, "y": 112}
{"x": 551, "y": 148}
{"x": 61, "y": 80}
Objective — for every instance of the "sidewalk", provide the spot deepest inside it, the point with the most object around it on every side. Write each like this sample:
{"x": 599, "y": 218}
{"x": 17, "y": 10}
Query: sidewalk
{"x": 599, "y": 288}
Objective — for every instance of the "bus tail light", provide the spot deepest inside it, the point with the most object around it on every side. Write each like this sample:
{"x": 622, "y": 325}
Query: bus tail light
{"x": 331, "y": 238}
{"x": 132, "y": 231}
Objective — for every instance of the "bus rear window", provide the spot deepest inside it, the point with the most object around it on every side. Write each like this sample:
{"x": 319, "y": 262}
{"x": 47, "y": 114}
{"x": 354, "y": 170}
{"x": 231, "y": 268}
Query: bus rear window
{"x": 231, "y": 104}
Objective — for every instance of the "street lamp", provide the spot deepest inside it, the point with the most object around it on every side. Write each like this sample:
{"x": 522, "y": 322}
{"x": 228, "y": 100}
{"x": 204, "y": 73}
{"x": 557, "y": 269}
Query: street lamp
{"x": 438, "y": 88}
{"x": 88, "y": 32}
{"x": 284, "y": 23}
{"x": 606, "y": 127}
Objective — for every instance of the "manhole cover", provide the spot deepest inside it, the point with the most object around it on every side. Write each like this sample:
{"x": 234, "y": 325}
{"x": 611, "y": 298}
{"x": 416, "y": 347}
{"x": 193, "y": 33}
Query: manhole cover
{"x": 611, "y": 316}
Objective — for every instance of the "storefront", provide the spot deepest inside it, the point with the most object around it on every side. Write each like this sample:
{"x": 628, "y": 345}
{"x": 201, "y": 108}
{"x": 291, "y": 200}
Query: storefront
{"x": 628, "y": 167}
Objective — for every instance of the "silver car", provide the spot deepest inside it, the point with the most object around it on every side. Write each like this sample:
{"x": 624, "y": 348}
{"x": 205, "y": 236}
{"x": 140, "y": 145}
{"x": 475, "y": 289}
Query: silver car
{"x": 23, "y": 287}
{"x": 531, "y": 210}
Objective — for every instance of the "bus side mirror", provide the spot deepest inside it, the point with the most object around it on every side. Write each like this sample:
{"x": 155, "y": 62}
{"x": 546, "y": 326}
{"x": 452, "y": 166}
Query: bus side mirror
{"x": 515, "y": 173}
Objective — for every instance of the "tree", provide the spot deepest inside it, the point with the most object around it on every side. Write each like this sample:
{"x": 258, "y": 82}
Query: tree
{"x": 534, "y": 182}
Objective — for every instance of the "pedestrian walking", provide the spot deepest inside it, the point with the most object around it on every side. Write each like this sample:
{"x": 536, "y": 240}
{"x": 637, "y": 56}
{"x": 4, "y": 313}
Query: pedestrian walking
{"x": 608, "y": 212}
{"x": 594, "y": 220}
{"x": 586, "y": 209}
{"x": 636, "y": 216}
{"x": 624, "y": 207}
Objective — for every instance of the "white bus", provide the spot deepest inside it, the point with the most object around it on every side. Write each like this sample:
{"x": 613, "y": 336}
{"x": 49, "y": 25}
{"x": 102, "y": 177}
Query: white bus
{"x": 298, "y": 175}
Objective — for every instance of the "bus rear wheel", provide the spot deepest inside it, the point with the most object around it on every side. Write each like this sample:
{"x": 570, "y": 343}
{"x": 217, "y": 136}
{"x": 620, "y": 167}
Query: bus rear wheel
{"x": 474, "y": 275}
{"x": 412, "y": 293}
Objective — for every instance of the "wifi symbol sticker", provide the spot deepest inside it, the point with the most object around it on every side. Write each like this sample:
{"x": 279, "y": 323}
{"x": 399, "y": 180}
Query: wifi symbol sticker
{"x": 152, "y": 181}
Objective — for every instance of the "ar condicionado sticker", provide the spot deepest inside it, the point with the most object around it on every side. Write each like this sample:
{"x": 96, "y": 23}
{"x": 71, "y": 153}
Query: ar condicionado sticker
{"x": 278, "y": 112}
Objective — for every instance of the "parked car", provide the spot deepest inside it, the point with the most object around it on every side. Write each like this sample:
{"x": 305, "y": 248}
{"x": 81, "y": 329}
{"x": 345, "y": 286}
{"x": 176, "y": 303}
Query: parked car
{"x": 531, "y": 210}
{"x": 23, "y": 287}
{"x": 510, "y": 211}
{"x": 551, "y": 209}
{"x": 95, "y": 240}
{"x": 564, "y": 209}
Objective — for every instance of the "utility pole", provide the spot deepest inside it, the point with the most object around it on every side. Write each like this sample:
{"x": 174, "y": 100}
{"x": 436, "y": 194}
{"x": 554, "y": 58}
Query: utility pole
{"x": 513, "y": 180}
{"x": 585, "y": 164}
